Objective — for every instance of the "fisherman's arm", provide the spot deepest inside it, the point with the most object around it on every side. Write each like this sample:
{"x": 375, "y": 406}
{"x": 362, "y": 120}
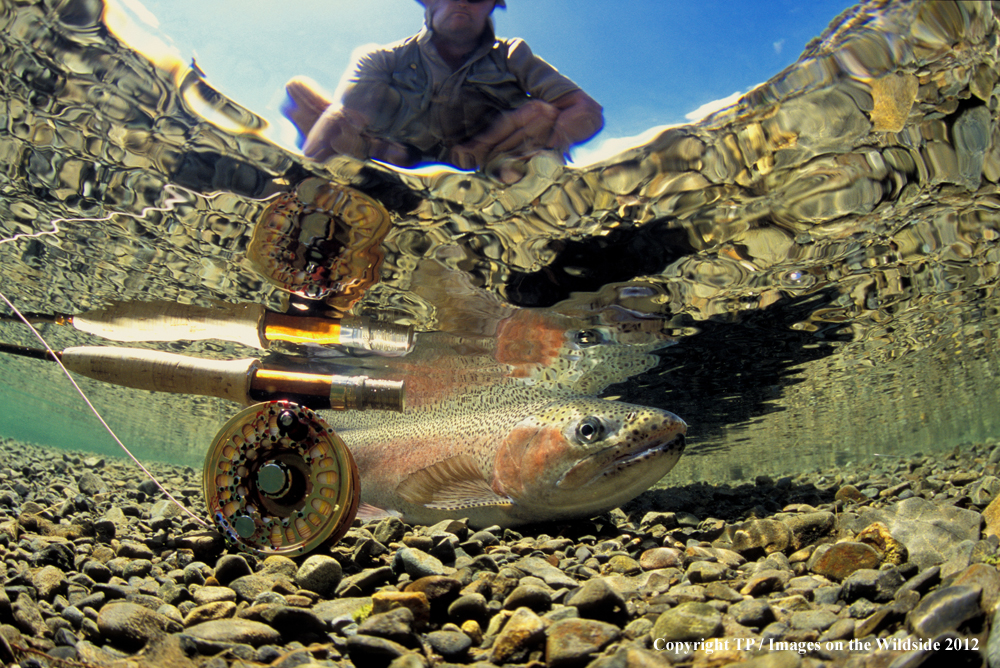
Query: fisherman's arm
{"x": 580, "y": 118}
{"x": 341, "y": 130}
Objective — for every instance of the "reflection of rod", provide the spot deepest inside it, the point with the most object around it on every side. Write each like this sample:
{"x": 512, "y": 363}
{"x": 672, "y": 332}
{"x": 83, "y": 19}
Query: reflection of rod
{"x": 24, "y": 351}
{"x": 249, "y": 324}
{"x": 343, "y": 392}
{"x": 243, "y": 381}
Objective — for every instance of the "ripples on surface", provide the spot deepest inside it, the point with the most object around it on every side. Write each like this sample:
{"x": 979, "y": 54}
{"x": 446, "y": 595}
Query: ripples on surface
{"x": 807, "y": 277}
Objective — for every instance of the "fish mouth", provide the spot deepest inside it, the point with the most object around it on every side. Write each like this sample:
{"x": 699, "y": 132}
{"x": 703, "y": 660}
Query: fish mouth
{"x": 612, "y": 462}
{"x": 671, "y": 446}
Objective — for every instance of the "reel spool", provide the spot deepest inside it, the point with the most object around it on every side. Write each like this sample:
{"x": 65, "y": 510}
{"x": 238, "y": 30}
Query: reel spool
{"x": 279, "y": 480}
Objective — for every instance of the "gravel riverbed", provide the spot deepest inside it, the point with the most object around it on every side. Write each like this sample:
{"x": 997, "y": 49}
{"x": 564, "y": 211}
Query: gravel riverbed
{"x": 889, "y": 563}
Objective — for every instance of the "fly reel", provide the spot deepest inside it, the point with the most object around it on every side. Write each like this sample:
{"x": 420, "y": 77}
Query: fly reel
{"x": 279, "y": 480}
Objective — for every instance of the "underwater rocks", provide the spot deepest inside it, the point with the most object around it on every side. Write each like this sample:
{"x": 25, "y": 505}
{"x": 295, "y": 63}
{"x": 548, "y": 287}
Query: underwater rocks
{"x": 860, "y": 569}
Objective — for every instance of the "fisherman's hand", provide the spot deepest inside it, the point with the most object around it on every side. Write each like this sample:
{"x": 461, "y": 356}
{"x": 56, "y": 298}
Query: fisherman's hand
{"x": 392, "y": 152}
{"x": 514, "y": 133}
{"x": 579, "y": 118}
{"x": 337, "y": 132}
{"x": 470, "y": 155}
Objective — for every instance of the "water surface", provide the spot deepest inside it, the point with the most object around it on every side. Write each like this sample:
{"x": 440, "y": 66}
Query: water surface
{"x": 807, "y": 277}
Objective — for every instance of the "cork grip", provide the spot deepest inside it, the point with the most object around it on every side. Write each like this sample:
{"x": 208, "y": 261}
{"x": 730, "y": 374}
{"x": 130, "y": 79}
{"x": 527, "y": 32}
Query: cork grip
{"x": 164, "y": 372}
{"x": 170, "y": 321}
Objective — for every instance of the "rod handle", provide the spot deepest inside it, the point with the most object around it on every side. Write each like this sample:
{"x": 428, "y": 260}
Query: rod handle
{"x": 130, "y": 322}
{"x": 158, "y": 371}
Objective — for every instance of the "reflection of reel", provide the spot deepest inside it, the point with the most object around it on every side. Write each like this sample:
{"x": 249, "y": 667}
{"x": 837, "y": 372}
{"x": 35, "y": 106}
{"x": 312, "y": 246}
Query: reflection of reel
{"x": 279, "y": 480}
{"x": 321, "y": 241}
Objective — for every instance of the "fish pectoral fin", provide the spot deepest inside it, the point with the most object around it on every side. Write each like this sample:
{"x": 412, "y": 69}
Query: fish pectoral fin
{"x": 368, "y": 512}
{"x": 451, "y": 484}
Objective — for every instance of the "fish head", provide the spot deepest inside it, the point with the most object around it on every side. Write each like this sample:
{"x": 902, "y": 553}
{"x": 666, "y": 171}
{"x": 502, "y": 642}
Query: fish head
{"x": 583, "y": 456}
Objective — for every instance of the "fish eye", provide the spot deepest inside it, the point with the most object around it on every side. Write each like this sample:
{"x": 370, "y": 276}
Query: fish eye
{"x": 586, "y": 337}
{"x": 590, "y": 429}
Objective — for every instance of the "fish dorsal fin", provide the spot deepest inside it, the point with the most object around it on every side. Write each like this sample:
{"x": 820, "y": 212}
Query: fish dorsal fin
{"x": 451, "y": 484}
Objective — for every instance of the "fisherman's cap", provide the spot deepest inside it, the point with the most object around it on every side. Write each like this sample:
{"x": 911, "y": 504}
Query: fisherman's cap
{"x": 499, "y": 3}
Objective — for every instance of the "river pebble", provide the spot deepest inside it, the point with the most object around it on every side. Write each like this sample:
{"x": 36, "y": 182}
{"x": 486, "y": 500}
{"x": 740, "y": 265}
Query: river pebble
{"x": 321, "y": 574}
{"x": 571, "y": 642}
{"x": 131, "y": 626}
{"x": 237, "y": 631}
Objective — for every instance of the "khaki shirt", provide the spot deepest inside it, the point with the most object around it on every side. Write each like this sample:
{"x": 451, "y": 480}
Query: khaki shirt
{"x": 415, "y": 98}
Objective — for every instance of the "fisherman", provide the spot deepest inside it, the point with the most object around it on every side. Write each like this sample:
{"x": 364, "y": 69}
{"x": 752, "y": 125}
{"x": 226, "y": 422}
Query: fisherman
{"x": 452, "y": 93}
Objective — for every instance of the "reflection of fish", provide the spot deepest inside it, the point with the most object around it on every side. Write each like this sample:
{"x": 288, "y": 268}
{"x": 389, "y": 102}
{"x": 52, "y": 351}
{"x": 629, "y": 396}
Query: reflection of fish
{"x": 514, "y": 462}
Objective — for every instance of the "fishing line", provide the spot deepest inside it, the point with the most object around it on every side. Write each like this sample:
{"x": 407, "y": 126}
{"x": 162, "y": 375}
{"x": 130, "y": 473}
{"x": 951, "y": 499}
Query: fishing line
{"x": 173, "y": 199}
{"x": 94, "y": 410}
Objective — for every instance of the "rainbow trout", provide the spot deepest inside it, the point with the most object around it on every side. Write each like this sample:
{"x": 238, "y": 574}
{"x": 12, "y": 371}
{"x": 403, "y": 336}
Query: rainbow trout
{"x": 504, "y": 429}
{"x": 509, "y": 461}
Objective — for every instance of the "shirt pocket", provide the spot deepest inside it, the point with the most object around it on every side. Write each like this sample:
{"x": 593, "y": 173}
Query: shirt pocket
{"x": 501, "y": 89}
{"x": 410, "y": 82}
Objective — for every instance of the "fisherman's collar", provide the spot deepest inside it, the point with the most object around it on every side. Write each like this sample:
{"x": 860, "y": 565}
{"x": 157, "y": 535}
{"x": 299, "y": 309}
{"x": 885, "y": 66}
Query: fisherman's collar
{"x": 488, "y": 39}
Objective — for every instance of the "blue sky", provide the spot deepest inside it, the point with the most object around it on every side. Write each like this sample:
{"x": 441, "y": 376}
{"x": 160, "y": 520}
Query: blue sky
{"x": 648, "y": 62}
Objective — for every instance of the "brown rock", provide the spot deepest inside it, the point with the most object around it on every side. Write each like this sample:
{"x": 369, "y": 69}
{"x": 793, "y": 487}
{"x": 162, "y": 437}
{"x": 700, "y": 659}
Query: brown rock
{"x": 212, "y": 594}
{"x": 728, "y": 557}
{"x": 623, "y": 564}
{"x": 839, "y": 560}
{"x": 991, "y": 516}
{"x": 471, "y": 628}
{"x": 130, "y": 625}
{"x": 102, "y": 553}
{"x": 761, "y": 537}
{"x": 210, "y": 611}
{"x": 694, "y": 553}
{"x": 296, "y": 601}
{"x": 765, "y": 582}
{"x": 524, "y": 632}
{"x": 806, "y": 528}
{"x": 660, "y": 557}
{"x": 849, "y": 493}
{"x": 251, "y": 586}
{"x": 416, "y": 601}
{"x": 984, "y": 576}
{"x": 571, "y": 642}
{"x": 879, "y": 620}
{"x": 206, "y": 545}
{"x": 6, "y": 652}
{"x": 28, "y": 617}
{"x": 279, "y": 566}
{"x": 255, "y": 613}
{"x": 49, "y": 581}
{"x": 877, "y": 535}
{"x": 395, "y": 625}
{"x": 688, "y": 622}
{"x": 242, "y": 631}
{"x": 440, "y": 590}
{"x": 328, "y": 610}
{"x": 632, "y": 657}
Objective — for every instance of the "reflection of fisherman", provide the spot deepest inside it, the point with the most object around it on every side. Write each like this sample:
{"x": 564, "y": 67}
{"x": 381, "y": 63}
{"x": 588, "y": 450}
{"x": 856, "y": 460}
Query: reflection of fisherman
{"x": 452, "y": 93}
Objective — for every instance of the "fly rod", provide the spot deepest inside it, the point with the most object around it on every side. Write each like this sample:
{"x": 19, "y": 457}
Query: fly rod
{"x": 249, "y": 324}
{"x": 244, "y": 381}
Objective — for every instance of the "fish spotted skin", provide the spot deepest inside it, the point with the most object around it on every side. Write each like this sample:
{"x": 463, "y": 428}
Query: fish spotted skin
{"x": 509, "y": 463}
